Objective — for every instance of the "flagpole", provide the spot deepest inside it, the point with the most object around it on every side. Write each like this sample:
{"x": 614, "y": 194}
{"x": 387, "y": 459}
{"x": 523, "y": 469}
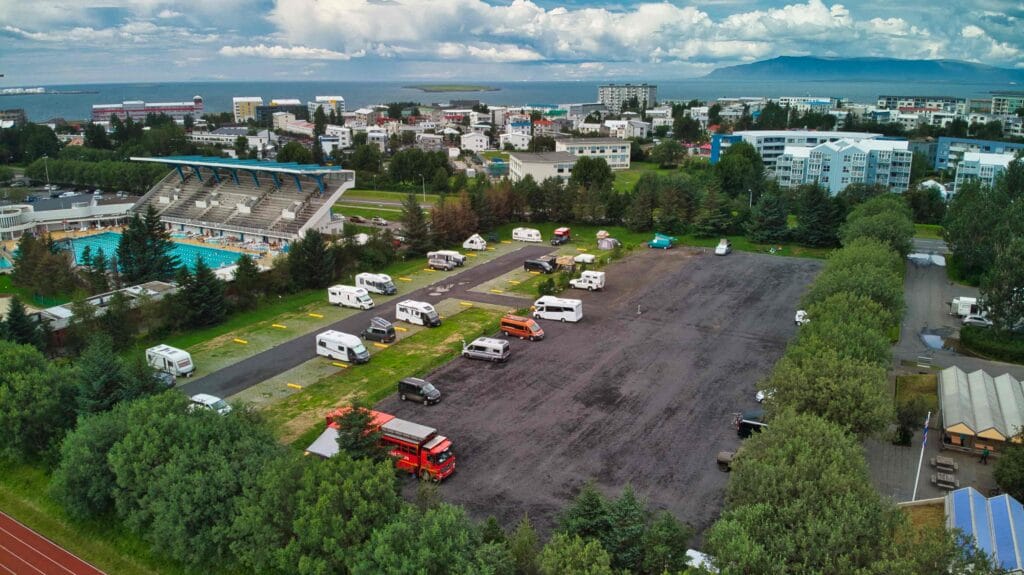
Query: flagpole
{"x": 920, "y": 461}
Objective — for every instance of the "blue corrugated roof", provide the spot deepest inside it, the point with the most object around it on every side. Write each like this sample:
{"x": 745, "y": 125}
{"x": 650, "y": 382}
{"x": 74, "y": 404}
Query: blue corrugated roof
{"x": 997, "y": 524}
{"x": 257, "y": 165}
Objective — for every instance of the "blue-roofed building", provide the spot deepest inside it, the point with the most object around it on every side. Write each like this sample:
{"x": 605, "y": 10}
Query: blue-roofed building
{"x": 246, "y": 201}
{"x": 950, "y": 151}
{"x": 996, "y": 523}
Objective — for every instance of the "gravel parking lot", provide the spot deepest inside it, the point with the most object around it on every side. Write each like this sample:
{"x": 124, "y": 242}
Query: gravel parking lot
{"x": 629, "y": 395}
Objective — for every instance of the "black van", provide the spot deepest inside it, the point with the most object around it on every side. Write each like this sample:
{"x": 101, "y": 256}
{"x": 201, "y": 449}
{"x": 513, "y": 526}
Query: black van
{"x": 416, "y": 389}
{"x": 538, "y": 266}
{"x": 380, "y": 330}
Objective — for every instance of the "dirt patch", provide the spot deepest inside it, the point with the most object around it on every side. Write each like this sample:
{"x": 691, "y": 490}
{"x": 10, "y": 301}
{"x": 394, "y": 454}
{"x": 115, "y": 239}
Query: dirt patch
{"x": 291, "y": 430}
{"x": 642, "y": 391}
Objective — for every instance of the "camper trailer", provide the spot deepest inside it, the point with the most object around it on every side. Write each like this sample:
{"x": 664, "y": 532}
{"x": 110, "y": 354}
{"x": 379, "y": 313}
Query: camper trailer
{"x": 964, "y": 306}
{"x": 417, "y": 312}
{"x": 450, "y": 255}
{"x": 555, "y": 308}
{"x": 341, "y": 346}
{"x": 349, "y": 296}
{"x": 376, "y": 283}
{"x": 588, "y": 280}
{"x": 526, "y": 235}
{"x": 170, "y": 360}
{"x": 475, "y": 242}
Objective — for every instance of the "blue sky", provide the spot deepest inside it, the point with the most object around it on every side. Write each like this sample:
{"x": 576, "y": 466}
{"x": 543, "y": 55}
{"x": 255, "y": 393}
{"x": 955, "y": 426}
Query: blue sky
{"x": 82, "y": 41}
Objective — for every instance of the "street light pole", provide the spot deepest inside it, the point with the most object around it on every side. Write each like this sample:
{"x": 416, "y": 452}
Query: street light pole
{"x": 423, "y": 185}
{"x": 46, "y": 166}
{"x": 751, "y": 202}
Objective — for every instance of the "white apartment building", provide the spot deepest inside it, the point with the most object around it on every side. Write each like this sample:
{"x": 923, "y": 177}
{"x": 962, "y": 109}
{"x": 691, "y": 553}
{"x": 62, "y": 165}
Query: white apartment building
{"x": 286, "y": 121}
{"x": 1007, "y": 102}
{"x": 336, "y": 103}
{"x": 625, "y": 129}
{"x": 700, "y": 114}
{"x": 837, "y": 164}
{"x": 541, "y": 166}
{"x": 612, "y": 96}
{"x": 516, "y": 140}
{"x": 343, "y": 134}
{"x": 807, "y": 103}
{"x": 227, "y": 135}
{"x": 377, "y": 137}
{"x": 772, "y": 143}
{"x": 613, "y": 150}
{"x": 985, "y": 168}
{"x": 244, "y": 107}
{"x": 474, "y": 142}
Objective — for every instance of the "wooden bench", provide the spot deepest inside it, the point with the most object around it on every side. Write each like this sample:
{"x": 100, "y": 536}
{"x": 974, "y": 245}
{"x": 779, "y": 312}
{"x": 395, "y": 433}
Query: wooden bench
{"x": 944, "y": 463}
{"x": 945, "y": 481}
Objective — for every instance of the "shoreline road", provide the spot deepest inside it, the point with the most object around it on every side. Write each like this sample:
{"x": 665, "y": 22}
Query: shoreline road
{"x": 25, "y": 552}
{"x": 281, "y": 358}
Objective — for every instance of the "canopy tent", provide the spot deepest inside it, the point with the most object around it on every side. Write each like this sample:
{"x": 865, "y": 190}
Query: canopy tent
{"x": 997, "y": 525}
{"x": 978, "y": 405}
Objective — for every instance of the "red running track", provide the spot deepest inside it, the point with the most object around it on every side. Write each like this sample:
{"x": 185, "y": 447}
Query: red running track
{"x": 25, "y": 552}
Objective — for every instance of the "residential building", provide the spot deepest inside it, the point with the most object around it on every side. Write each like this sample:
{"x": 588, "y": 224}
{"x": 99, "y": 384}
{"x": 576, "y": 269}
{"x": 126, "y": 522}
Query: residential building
{"x": 545, "y": 127}
{"x": 429, "y": 142}
{"x": 335, "y": 103}
{"x": 700, "y": 114}
{"x": 137, "y": 110}
{"x": 950, "y": 151}
{"x": 581, "y": 111}
{"x": 366, "y": 116}
{"x": 984, "y": 168}
{"x": 227, "y": 136}
{"x": 287, "y": 122}
{"x": 264, "y": 114}
{"x": 625, "y": 129}
{"x": 343, "y": 134}
{"x": 837, "y": 164}
{"x": 941, "y": 102}
{"x": 772, "y": 143}
{"x": 541, "y": 166}
{"x": 244, "y": 108}
{"x": 378, "y": 137}
{"x": 517, "y": 140}
{"x": 613, "y": 150}
{"x": 16, "y": 117}
{"x": 1007, "y": 102}
{"x": 807, "y": 103}
{"x": 474, "y": 142}
{"x": 589, "y": 127}
{"x": 613, "y": 96}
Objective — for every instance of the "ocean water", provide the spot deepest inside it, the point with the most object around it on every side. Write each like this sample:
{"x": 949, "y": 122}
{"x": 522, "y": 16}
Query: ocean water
{"x": 217, "y": 95}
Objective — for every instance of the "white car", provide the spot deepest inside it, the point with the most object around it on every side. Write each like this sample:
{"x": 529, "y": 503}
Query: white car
{"x": 801, "y": 317}
{"x": 378, "y": 221}
{"x": 723, "y": 248}
{"x": 207, "y": 401}
{"x": 977, "y": 320}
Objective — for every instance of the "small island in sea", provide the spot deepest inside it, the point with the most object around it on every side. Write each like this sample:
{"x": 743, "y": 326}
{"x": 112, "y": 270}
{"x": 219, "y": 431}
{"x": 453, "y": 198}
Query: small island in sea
{"x": 452, "y": 88}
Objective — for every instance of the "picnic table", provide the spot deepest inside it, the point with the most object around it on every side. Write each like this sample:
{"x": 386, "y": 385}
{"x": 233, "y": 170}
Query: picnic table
{"x": 944, "y": 463}
{"x": 945, "y": 480}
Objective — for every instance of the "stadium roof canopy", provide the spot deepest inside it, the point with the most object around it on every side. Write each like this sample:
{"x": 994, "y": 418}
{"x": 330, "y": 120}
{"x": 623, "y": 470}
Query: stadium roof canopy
{"x": 232, "y": 166}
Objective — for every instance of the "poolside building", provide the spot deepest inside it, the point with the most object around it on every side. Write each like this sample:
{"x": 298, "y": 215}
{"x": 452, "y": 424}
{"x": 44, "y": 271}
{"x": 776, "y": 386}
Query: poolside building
{"x": 70, "y": 213}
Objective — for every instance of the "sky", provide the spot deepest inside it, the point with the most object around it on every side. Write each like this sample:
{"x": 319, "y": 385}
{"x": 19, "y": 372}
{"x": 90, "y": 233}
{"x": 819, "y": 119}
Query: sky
{"x": 52, "y": 42}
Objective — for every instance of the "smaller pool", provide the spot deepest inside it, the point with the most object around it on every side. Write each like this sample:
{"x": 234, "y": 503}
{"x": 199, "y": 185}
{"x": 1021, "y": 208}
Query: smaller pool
{"x": 4, "y": 264}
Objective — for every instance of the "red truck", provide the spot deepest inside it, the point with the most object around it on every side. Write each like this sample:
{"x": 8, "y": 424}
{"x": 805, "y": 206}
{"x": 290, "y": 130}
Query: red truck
{"x": 416, "y": 449}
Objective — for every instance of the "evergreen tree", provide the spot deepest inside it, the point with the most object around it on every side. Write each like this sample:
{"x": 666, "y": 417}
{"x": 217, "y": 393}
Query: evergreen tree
{"x": 713, "y": 218}
{"x": 357, "y": 436}
{"x": 639, "y": 215}
{"x": 574, "y": 555}
{"x": 99, "y": 377}
{"x": 665, "y": 545}
{"x": 246, "y": 284}
{"x": 204, "y": 297}
{"x": 624, "y": 541}
{"x": 138, "y": 379}
{"x": 96, "y": 275}
{"x": 144, "y": 252}
{"x": 769, "y": 220}
{"x": 816, "y": 216}
{"x": 417, "y": 234}
{"x": 319, "y": 122}
{"x": 524, "y": 544}
{"x": 587, "y": 515}
{"x": 86, "y": 258}
{"x": 119, "y": 321}
{"x": 20, "y": 328}
{"x": 312, "y": 263}
{"x": 491, "y": 531}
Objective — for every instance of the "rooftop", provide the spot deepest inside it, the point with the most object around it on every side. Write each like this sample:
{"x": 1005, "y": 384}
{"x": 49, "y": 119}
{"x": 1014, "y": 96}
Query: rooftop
{"x": 544, "y": 157}
{"x": 593, "y": 141}
{"x": 989, "y": 159}
{"x": 807, "y": 133}
{"x": 230, "y": 163}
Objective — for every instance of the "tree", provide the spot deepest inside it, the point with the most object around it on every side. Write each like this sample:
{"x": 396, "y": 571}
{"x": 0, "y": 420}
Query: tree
{"x": 856, "y": 194}
{"x": 319, "y": 122}
{"x": 973, "y": 227}
{"x": 99, "y": 377}
{"x": 740, "y": 171}
{"x": 203, "y": 293}
{"x": 769, "y": 220}
{"x": 816, "y": 216}
{"x": 417, "y": 234}
{"x": 926, "y": 204}
{"x": 541, "y": 144}
{"x": 358, "y": 436}
{"x": 664, "y": 545}
{"x": 295, "y": 152}
{"x": 96, "y": 137}
{"x": 1009, "y": 471}
{"x": 881, "y": 285}
{"x": 587, "y": 516}
{"x": 639, "y": 215}
{"x": 38, "y": 401}
{"x": 97, "y": 272}
{"x": 119, "y": 322}
{"x": 686, "y": 129}
{"x": 83, "y": 482}
{"x": 592, "y": 173}
{"x": 144, "y": 251}
{"x": 19, "y": 328}
{"x": 524, "y": 545}
{"x": 1001, "y": 287}
{"x": 366, "y": 158}
{"x": 436, "y": 542}
{"x": 247, "y": 285}
{"x": 311, "y": 263}
{"x": 667, "y": 154}
{"x": 713, "y": 218}
{"x": 242, "y": 147}
{"x": 624, "y": 542}
{"x": 573, "y": 555}
{"x": 439, "y": 181}
{"x": 884, "y": 218}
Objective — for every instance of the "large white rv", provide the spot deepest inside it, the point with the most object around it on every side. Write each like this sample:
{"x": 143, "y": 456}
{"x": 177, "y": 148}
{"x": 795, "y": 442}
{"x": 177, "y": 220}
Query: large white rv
{"x": 526, "y": 235}
{"x": 550, "y": 307}
{"x": 376, "y": 283}
{"x": 349, "y": 296}
{"x": 341, "y": 346}
{"x": 450, "y": 255}
{"x": 170, "y": 360}
{"x": 417, "y": 312}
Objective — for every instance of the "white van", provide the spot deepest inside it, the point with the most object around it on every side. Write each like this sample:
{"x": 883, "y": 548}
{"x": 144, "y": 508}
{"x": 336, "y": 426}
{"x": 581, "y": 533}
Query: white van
{"x": 526, "y": 235}
{"x": 487, "y": 348}
{"x": 349, "y": 296}
{"x": 341, "y": 346}
{"x": 588, "y": 280}
{"x": 417, "y": 312}
{"x": 450, "y": 255}
{"x": 170, "y": 360}
{"x": 376, "y": 283}
{"x": 550, "y": 307}
{"x": 475, "y": 242}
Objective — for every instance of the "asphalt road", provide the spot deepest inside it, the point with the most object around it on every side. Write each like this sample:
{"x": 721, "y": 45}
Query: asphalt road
{"x": 263, "y": 366}
{"x": 641, "y": 392}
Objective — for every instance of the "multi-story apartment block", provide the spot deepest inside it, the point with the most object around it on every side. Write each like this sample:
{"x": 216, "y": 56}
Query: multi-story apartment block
{"x": 625, "y": 129}
{"x": 541, "y": 166}
{"x": 343, "y": 134}
{"x": 265, "y": 113}
{"x": 950, "y": 151}
{"x": 836, "y": 165}
{"x": 13, "y": 117}
{"x": 984, "y": 168}
{"x": 517, "y": 140}
{"x": 613, "y": 96}
{"x": 807, "y": 103}
{"x": 771, "y": 144}
{"x": 474, "y": 142}
{"x": 137, "y": 110}
{"x": 1007, "y": 102}
{"x": 613, "y": 150}
{"x": 940, "y": 102}
{"x": 244, "y": 107}
{"x": 336, "y": 103}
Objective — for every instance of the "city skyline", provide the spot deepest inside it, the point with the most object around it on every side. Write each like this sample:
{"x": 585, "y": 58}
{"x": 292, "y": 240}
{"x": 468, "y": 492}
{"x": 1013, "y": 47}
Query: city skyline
{"x": 434, "y": 40}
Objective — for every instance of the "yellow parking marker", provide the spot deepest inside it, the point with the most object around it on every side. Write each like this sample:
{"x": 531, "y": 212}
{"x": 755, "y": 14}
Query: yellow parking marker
{"x": 535, "y": 273}
{"x": 581, "y": 249}
{"x": 403, "y": 279}
{"x": 381, "y": 345}
{"x": 490, "y": 249}
{"x": 316, "y": 315}
{"x": 278, "y": 326}
{"x": 294, "y": 386}
{"x": 496, "y": 291}
{"x": 341, "y": 365}
{"x": 241, "y": 341}
{"x": 400, "y": 328}
{"x": 514, "y": 282}
{"x": 466, "y": 303}
{"x": 471, "y": 254}
{"x": 429, "y": 270}
{"x": 506, "y": 241}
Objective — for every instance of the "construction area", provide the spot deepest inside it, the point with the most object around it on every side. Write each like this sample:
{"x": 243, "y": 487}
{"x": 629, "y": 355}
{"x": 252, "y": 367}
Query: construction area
{"x": 642, "y": 391}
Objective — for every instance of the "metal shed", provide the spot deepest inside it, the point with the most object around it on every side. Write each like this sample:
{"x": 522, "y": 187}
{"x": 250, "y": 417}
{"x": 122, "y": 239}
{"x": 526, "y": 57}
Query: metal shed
{"x": 996, "y": 523}
{"x": 980, "y": 406}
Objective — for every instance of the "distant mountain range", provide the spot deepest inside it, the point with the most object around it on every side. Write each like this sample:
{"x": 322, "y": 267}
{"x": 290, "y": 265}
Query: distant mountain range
{"x": 809, "y": 68}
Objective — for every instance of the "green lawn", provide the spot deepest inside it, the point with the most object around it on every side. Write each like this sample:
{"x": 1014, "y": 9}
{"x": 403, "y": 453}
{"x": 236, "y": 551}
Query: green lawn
{"x": 301, "y": 415}
{"x": 626, "y": 179}
{"x": 391, "y": 213}
{"x": 385, "y": 196}
{"x": 928, "y": 231}
{"x": 104, "y": 543}
{"x": 26, "y": 297}
{"x": 490, "y": 155}
{"x": 910, "y": 386}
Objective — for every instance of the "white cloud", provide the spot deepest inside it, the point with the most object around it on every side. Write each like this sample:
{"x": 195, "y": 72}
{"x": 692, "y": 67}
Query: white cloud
{"x": 487, "y": 52}
{"x": 287, "y": 52}
{"x": 168, "y": 13}
{"x": 972, "y": 31}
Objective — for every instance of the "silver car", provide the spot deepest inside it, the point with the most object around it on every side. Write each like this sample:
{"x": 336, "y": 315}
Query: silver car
{"x": 977, "y": 321}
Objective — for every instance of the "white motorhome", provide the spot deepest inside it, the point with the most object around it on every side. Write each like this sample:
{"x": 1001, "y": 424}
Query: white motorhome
{"x": 588, "y": 280}
{"x": 417, "y": 312}
{"x": 475, "y": 242}
{"x": 170, "y": 360}
{"x": 526, "y": 235}
{"x": 349, "y": 296}
{"x": 341, "y": 346}
{"x": 450, "y": 255}
{"x": 964, "y": 306}
{"x": 487, "y": 348}
{"x": 556, "y": 308}
{"x": 376, "y": 283}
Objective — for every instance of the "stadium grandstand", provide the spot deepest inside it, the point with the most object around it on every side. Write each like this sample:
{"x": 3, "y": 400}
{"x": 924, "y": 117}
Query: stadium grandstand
{"x": 246, "y": 201}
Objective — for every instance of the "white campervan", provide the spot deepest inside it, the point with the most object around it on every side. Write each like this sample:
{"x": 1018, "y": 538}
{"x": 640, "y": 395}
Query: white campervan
{"x": 450, "y": 255}
{"x": 475, "y": 242}
{"x": 550, "y": 307}
{"x": 526, "y": 235}
{"x": 170, "y": 360}
{"x": 588, "y": 280}
{"x": 417, "y": 312}
{"x": 341, "y": 346}
{"x": 376, "y": 283}
{"x": 349, "y": 296}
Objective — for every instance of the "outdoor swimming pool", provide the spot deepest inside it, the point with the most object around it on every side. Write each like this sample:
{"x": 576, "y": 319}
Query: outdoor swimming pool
{"x": 187, "y": 254}
{"x": 4, "y": 264}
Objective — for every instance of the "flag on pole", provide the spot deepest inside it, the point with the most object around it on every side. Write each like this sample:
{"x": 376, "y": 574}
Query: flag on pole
{"x": 924, "y": 439}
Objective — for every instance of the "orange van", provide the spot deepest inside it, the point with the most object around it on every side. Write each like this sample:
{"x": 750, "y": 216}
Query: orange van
{"x": 521, "y": 327}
